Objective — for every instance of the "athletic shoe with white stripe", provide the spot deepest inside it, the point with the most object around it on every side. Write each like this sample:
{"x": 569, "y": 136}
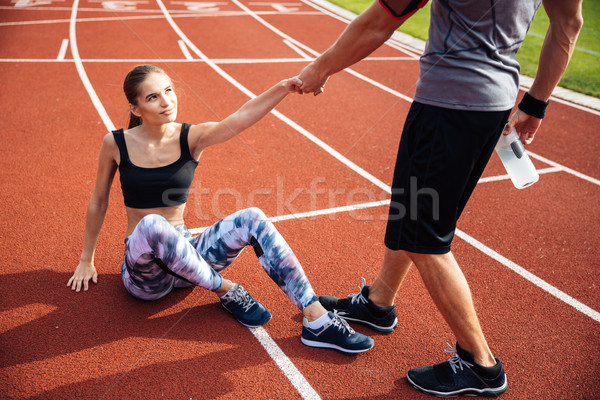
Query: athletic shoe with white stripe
{"x": 335, "y": 334}
{"x": 459, "y": 376}
{"x": 244, "y": 308}
{"x": 358, "y": 308}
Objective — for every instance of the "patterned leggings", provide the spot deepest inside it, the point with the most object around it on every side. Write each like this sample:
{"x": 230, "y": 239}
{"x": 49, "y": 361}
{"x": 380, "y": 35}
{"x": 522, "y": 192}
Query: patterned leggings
{"x": 159, "y": 256}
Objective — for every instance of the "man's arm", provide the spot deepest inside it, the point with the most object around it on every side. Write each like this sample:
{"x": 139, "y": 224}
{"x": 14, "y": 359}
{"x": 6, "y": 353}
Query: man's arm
{"x": 566, "y": 21}
{"x": 363, "y": 36}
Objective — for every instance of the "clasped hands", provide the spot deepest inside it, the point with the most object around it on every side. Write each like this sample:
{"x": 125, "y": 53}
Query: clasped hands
{"x": 310, "y": 80}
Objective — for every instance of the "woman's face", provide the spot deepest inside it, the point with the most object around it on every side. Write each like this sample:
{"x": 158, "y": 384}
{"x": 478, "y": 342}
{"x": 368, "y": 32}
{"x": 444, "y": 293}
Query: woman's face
{"x": 156, "y": 102}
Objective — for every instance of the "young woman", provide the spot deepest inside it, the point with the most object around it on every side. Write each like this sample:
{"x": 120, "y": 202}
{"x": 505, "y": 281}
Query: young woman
{"x": 156, "y": 158}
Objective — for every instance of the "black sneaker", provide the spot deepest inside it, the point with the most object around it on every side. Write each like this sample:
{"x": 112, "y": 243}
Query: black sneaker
{"x": 244, "y": 308}
{"x": 358, "y": 308}
{"x": 335, "y": 334}
{"x": 459, "y": 376}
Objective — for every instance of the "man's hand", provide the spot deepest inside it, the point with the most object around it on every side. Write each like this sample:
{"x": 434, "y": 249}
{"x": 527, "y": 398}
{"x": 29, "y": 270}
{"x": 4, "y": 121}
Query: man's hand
{"x": 313, "y": 81}
{"x": 363, "y": 36}
{"x": 525, "y": 124}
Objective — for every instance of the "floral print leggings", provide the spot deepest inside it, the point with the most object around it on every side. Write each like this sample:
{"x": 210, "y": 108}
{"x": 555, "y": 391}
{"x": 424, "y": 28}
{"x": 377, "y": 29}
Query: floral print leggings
{"x": 159, "y": 256}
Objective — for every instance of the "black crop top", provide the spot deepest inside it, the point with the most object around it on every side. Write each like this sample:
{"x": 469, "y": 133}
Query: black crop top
{"x": 164, "y": 186}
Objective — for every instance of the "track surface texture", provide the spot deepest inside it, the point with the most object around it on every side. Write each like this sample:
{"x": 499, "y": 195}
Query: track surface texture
{"x": 320, "y": 167}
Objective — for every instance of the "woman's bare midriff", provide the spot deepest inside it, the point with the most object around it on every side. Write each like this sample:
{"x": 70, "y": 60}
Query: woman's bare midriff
{"x": 172, "y": 214}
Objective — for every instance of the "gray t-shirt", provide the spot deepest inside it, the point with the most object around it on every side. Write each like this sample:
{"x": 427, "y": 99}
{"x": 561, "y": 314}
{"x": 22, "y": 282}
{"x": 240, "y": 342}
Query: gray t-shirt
{"x": 469, "y": 62}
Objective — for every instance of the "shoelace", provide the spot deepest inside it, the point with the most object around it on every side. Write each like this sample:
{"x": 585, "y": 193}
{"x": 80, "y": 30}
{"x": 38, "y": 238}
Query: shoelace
{"x": 242, "y": 297}
{"x": 341, "y": 324}
{"x": 358, "y": 297}
{"x": 456, "y": 362}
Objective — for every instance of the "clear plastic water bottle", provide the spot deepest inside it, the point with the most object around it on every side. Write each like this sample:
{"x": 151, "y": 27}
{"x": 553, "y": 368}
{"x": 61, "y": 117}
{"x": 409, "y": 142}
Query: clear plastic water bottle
{"x": 520, "y": 169}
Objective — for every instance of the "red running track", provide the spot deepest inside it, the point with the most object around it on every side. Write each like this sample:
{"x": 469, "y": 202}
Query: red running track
{"x": 530, "y": 256}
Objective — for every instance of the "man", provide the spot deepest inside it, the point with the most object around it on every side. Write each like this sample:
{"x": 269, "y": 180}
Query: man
{"x": 468, "y": 84}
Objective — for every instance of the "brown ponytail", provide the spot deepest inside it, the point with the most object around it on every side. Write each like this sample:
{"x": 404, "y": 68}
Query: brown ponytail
{"x": 131, "y": 88}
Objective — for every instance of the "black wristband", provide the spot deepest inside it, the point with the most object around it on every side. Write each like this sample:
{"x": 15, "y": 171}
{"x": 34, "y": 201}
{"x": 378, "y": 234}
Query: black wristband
{"x": 532, "y": 106}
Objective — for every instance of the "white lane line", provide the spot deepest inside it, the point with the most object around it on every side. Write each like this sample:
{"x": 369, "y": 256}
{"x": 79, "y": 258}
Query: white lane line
{"x": 333, "y": 152}
{"x": 403, "y": 48}
{"x": 265, "y": 3}
{"x": 565, "y": 169}
{"x": 181, "y": 15}
{"x": 283, "y": 9}
{"x": 184, "y": 50}
{"x": 81, "y": 71}
{"x": 63, "y": 50}
{"x": 161, "y": 60}
{"x": 576, "y": 100}
{"x": 329, "y": 211}
{"x": 98, "y": 9}
{"x": 215, "y": 60}
{"x": 505, "y": 177}
{"x": 579, "y": 306}
{"x": 293, "y": 375}
{"x": 98, "y": 60}
{"x": 316, "y": 213}
{"x": 297, "y": 49}
{"x": 285, "y": 364}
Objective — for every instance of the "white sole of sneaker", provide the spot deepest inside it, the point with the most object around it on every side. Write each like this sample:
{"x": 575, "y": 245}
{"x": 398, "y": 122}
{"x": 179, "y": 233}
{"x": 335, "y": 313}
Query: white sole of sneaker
{"x": 488, "y": 392}
{"x": 313, "y": 343}
{"x": 382, "y": 329}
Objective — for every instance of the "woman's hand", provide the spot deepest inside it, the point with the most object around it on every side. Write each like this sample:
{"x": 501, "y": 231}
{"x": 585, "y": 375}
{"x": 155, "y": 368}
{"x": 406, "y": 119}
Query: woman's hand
{"x": 292, "y": 85}
{"x": 84, "y": 272}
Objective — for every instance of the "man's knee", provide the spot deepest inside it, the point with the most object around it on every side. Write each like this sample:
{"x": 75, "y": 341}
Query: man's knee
{"x": 425, "y": 259}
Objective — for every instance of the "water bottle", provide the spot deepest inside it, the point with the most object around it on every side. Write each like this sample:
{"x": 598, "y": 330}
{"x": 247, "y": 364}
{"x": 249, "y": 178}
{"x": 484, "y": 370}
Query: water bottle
{"x": 520, "y": 169}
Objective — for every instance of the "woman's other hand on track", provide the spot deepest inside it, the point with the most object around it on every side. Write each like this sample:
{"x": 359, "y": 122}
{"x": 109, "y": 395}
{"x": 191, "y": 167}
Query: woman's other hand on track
{"x": 82, "y": 275}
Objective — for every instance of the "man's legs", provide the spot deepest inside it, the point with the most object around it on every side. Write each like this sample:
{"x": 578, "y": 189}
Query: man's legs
{"x": 394, "y": 269}
{"x": 447, "y": 287}
{"x": 450, "y": 292}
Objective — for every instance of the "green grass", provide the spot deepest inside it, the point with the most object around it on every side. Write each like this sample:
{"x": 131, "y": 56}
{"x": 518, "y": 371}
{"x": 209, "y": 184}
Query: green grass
{"x": 583, "y": 73}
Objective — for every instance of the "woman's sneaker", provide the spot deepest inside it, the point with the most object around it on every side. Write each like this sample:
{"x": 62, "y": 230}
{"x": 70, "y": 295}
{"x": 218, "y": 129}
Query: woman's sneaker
{"x": 358, "y": 308}
{"x": 459, "y": 376}
{"x": 335, "y": 334}
{"x": 244, "y": 308}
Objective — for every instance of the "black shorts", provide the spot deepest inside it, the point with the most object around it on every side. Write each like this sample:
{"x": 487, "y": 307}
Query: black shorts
{"x": 442, "y": 155}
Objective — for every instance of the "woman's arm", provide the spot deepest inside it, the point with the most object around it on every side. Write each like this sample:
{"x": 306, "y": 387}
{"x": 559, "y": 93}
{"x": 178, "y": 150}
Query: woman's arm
{"x": 96, "y": 212}
{"x": 210, "y": 133}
